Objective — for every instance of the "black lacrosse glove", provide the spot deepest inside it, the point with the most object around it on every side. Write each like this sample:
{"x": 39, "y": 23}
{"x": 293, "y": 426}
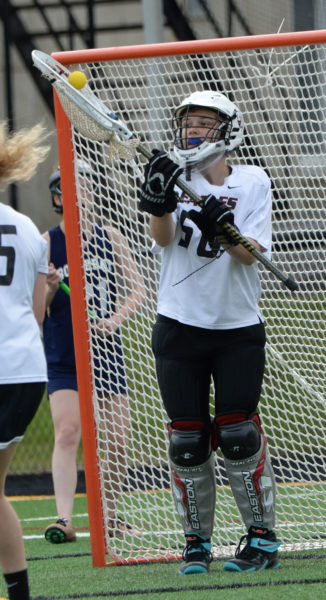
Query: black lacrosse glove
{"x": 157, "y": 195}
{"x": 210, "y": 221}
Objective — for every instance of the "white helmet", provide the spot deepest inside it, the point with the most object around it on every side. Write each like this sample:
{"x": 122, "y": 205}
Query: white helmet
{"x": 228, "y": 134}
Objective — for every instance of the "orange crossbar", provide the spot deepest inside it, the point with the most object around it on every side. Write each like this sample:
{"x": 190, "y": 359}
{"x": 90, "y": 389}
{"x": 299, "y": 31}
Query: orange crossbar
{"x": 192, "y": 47}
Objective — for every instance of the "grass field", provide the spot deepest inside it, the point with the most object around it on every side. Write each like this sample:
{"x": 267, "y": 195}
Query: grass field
{"x": 65, "y": 571}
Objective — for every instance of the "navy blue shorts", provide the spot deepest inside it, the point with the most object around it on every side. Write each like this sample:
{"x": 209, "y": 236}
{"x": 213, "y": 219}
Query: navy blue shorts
{"x": 108, "y": 369}
{"x": 18, "y": 405}
{"x": 61, "y": 378}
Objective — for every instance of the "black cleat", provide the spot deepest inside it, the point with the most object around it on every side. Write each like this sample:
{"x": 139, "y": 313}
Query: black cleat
{"x": 259, "y": 553}
{"x": 196, "y": 556}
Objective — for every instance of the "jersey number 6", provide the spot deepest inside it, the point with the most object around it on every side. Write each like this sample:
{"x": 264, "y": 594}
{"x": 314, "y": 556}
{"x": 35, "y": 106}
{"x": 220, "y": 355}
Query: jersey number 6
{"x": 188, "y": 231}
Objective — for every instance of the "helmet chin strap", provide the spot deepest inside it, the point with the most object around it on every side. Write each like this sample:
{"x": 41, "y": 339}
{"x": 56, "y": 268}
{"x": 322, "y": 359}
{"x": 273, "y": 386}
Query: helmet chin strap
{"x": 210, "y": 161}
{"x": 202, "y": 166}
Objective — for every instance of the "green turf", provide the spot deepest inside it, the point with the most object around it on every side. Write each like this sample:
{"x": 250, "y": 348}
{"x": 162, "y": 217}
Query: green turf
{"x": 65, "y": 570}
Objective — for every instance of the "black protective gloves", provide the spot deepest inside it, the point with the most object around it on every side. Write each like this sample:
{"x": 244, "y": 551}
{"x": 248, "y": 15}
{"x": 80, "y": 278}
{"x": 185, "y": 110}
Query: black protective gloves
{"x": 157, "y": 195}
{"x": 210, "y": 221}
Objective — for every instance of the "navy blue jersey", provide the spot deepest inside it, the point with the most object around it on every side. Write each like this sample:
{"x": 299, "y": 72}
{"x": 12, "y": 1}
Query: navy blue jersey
{"x": 57, "y": 326}
{"x": 101, "y": 286}
{"x": 101, "y": 294}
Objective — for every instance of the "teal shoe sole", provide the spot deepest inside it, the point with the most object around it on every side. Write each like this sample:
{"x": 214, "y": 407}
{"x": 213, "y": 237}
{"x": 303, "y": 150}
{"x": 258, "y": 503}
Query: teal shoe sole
{"x": 229, "y": 566}
{"x": 191, "y": 570}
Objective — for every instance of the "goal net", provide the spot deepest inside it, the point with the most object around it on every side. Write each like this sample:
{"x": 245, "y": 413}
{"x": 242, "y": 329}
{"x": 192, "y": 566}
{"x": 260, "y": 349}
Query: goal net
{"x": 279, "y": 84}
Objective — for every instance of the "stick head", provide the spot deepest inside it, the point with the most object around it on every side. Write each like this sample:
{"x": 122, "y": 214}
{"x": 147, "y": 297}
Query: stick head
{"x": 87, "y": 113}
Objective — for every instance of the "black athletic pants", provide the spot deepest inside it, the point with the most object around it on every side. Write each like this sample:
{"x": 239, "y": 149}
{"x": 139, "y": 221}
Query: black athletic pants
{"x": 188, "y": 358}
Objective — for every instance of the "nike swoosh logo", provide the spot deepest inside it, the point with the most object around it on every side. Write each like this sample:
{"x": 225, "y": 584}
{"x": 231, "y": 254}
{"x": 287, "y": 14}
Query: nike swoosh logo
{"x": 233, "y": 186}
{"x": 264, "y": 545}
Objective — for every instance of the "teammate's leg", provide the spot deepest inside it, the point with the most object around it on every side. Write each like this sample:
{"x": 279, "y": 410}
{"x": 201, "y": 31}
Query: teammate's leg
{"x": 19, "y": 403}
{"x": 64, "y": 406}
{"x": 12, "y": 554}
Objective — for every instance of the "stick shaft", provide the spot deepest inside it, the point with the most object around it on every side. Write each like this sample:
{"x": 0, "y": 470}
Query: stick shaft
{"x": 64, "y": 287}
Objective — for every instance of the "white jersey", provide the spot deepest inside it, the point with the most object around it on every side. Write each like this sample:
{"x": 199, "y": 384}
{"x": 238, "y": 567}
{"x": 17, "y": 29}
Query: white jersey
{"x": 23, "y": 254}
{"x": 219, "y": 293}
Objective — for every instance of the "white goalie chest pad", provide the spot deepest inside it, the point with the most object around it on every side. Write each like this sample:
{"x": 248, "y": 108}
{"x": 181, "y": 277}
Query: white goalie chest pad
{"x": 224, "y": 294}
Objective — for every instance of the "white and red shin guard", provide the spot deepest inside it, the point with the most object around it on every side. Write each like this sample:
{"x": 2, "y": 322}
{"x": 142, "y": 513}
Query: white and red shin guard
{"x": 193, "y": 477}
{"x": 248, "y": 468}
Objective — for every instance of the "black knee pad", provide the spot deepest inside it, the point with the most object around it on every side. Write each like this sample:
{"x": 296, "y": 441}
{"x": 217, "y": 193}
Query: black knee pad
{"x": 239, "y": 440}
{"x": 190, "y": 443}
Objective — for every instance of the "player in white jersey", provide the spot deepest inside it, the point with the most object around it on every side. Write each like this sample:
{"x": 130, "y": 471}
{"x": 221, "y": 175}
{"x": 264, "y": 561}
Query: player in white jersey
{"x": 23, "y": 375}
{"x": 209, "y": 327}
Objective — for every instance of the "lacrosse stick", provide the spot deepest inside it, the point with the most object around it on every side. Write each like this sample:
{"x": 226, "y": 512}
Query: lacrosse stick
{"x": 65, "y": 288}
{"x": 90, "y": 117}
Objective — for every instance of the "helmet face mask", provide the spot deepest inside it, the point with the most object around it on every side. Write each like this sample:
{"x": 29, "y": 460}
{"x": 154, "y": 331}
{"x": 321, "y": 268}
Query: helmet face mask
{"x": 82, "y": 168}
{"x": 55, "y": 189}
{"x": 206, "y": 126}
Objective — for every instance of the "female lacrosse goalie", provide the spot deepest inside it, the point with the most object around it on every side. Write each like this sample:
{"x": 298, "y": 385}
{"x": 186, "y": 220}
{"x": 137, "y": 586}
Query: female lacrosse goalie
{"x": 111, "y": 260}
{"x": 209, "y": 327}
{"x": 23, "y": 269}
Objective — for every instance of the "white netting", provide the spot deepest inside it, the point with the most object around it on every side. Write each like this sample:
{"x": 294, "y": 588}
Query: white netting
{"x": 281, "y": 93}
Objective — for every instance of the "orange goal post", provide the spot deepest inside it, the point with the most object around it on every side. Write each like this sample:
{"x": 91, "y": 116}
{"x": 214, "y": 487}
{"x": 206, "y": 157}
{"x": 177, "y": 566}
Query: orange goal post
{"x": 278, "y": 81}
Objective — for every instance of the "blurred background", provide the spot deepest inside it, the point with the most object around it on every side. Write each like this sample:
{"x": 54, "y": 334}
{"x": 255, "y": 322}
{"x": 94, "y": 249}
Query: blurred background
{"x": 26, "y": 99}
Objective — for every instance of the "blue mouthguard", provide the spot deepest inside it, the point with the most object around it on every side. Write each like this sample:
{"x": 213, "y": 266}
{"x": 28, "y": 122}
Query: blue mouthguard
{"x": 194, "y": 141}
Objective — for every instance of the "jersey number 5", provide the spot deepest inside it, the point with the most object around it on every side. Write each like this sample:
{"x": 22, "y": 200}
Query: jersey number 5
{"x": 9, "y": 254}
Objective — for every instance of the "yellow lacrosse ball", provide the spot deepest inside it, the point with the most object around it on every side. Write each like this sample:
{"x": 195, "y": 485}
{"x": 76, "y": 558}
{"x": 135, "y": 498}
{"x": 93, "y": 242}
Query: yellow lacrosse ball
{"x": 77, "y": 79}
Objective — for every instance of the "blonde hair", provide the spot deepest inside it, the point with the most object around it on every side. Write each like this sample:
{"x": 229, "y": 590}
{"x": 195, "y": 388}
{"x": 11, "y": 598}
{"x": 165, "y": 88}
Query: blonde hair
{"x": 20, "y": 153}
